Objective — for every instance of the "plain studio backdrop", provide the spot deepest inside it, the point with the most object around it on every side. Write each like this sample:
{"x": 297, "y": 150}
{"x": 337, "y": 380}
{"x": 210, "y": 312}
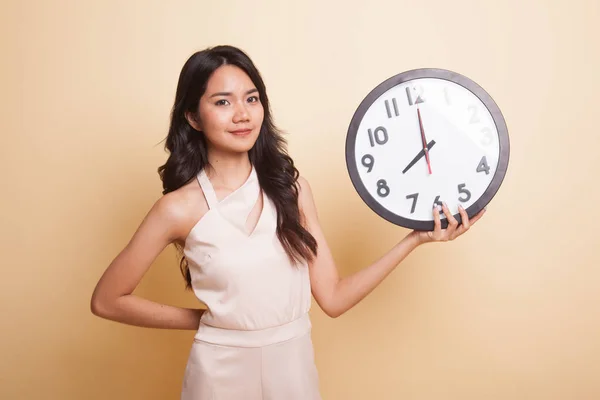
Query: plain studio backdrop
{"x": 508, "y": 311}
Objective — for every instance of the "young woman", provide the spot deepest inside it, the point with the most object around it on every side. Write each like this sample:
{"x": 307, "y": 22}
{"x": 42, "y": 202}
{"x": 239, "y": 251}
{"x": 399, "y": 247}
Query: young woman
{"x": 253, "y": 250}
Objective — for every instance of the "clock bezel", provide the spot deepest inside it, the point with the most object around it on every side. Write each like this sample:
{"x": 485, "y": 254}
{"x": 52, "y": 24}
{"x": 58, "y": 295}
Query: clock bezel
{"x": 454, "y": 77}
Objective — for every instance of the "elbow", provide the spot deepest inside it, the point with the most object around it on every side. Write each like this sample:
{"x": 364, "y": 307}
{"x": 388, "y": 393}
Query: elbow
{"x": 332, "y": 311}
{"x": 99, "y": 306}
{"x": 330, "y": 304}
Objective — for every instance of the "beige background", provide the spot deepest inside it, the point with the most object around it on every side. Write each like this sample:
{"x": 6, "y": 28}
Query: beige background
{"x": 509, "y": 311}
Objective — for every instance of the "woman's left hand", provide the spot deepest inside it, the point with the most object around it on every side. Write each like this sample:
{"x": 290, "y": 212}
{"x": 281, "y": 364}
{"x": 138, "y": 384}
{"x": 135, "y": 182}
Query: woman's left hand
{"x": 453, "y": 230}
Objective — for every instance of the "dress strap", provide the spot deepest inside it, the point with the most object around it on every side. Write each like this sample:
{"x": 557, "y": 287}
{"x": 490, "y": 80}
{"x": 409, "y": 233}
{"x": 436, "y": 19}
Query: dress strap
{"x": 207, "y": 188}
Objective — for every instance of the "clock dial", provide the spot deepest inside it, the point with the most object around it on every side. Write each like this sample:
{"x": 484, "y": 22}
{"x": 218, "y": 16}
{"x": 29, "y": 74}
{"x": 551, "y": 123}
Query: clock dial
{"x": 424, "y": 137}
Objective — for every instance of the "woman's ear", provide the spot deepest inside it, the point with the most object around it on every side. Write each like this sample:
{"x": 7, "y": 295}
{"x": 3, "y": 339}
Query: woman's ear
{"x": 194, "y": 123}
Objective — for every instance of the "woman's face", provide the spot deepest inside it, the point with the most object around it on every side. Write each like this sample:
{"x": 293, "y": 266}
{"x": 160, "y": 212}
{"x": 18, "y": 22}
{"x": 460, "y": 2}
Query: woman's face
{"x": 230, "y": 112}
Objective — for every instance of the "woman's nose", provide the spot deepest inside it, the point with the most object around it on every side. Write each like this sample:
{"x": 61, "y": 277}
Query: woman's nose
{"x": 241, "y": 114}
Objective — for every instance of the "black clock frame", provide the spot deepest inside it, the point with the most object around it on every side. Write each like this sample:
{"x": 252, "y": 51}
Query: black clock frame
{"x": 400, "y": 78}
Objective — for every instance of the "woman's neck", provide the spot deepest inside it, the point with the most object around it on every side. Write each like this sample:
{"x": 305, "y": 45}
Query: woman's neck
{"x": 228, "y": 170}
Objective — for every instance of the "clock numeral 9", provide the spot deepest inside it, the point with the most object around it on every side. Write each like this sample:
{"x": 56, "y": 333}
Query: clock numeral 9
{"x": 380, "y": 136}
{"x": 368, "y": 161}
{"x": 382, "y": 188}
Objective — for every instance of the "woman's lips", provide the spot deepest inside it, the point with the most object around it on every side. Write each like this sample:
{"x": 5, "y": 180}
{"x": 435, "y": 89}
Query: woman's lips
{"x": 241, "y": 132}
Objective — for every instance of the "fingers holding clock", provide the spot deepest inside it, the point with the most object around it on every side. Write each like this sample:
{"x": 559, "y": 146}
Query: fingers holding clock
{"x": 466, "y": 222}
{"x": 464, "y": 217}
{"x": 437, "y": 233}
{"x": 454, "y": 229}
{"x": 452, "y": 222}
{"x": 477, "y": 217}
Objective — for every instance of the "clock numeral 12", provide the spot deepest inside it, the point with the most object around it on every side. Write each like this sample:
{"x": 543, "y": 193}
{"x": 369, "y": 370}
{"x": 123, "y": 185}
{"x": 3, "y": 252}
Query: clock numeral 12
{"x": 380, "y": 136}
{"x": 419, "y": 98}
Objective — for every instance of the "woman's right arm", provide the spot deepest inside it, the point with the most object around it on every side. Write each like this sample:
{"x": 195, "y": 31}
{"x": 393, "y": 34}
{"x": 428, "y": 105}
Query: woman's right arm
{"x": 113, "y": 299}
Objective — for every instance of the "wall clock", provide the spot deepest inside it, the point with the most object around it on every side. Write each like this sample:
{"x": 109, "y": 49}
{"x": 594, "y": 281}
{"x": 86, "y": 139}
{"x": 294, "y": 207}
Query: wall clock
{"x": 424, "y": 137}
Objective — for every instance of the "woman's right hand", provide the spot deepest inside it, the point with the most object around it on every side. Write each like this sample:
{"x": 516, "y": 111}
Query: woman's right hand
{"x": 453, "y": 230}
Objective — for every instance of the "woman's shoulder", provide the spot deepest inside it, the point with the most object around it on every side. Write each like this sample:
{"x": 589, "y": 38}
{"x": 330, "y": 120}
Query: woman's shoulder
{"x": 305, "y": 195}
{"x": 182, "y": 207}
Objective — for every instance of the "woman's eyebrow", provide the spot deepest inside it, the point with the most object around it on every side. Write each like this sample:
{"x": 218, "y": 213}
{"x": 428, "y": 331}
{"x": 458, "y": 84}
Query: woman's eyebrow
{"x": 231, "y": 94}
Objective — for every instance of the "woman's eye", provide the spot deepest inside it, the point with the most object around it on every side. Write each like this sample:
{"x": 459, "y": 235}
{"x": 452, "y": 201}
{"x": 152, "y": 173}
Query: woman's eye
{"x": 222, "y": 103}
{"x": 252, "y": 99}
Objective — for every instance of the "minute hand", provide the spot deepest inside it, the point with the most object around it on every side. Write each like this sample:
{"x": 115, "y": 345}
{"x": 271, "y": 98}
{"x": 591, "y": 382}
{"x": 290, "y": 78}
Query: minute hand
{"x": 418, "y": 157}
{"x": 424, "y": 140}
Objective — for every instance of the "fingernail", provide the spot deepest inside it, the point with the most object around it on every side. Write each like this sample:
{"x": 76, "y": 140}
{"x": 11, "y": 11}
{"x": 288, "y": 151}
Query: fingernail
{"x": 461, "y": 207}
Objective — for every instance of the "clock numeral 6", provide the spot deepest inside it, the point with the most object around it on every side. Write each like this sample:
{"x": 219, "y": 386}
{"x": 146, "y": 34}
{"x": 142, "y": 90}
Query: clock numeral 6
{"x": 380, "y": 136}
{"x": 382, "y": 188}
{"x": 368, "y": 161}
{"x": 437, "y": 202}
{"x": 462, "y": 190}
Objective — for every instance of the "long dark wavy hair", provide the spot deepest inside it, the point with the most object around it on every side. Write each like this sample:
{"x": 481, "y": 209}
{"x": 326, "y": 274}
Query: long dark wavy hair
{"x": 275, "y": 169}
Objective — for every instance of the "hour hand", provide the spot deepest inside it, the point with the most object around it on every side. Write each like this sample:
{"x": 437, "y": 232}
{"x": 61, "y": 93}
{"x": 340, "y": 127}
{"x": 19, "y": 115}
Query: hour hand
{"x": 418, "y": 157}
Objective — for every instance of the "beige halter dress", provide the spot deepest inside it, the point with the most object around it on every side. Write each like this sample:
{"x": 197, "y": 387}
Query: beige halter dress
{"x": 254, "y": 340}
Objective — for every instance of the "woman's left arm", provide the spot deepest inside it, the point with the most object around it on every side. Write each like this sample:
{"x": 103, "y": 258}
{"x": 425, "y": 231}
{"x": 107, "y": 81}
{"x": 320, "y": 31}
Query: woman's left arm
{"x": 337, "y": 295}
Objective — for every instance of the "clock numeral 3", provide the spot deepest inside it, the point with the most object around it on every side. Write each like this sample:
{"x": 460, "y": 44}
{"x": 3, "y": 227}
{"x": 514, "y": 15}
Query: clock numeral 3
{"x": 387, "y": 108}
{"x": 483, "y": 166}
{"x": 487, "y": 137}
{"x": 420, "y": 99}
{"x": 413, "y": 196}
{"x": 462, "y": 190}
{"x": 368, "y": 161}
{"x": 380, "y": 136}
{"x": 382, "y": 188}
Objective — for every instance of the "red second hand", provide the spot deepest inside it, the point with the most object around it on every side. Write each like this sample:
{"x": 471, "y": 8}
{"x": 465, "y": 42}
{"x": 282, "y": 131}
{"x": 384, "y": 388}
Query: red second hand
{"x": 424, "y": 141}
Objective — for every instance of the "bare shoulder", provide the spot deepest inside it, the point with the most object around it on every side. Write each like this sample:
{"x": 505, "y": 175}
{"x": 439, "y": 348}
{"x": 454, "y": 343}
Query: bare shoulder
{"x": 181, "y": 209}
{"x": 304, "y": 188}
{"x": 305, "y": 196}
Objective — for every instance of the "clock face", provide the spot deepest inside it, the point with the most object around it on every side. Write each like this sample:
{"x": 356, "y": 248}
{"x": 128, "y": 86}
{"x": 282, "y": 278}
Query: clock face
{"x": 454, "y": 119}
